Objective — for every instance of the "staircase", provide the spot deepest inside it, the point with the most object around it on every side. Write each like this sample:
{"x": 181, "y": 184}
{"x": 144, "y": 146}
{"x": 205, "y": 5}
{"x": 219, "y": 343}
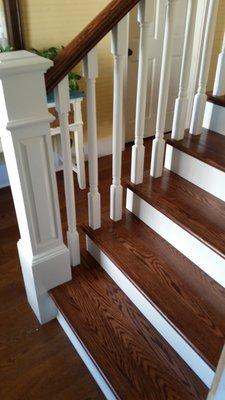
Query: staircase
{"x": 144, "y": 305}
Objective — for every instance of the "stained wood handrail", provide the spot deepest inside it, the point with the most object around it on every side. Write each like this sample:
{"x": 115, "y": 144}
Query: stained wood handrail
{"x": 88, "y": 38}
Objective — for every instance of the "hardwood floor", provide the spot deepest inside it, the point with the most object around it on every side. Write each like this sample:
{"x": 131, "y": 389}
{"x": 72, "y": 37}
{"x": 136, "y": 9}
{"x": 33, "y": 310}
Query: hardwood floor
{"x": 195, "y": 210}
{"x": 187, "y": 297}
{"x": 38, "y": 362}
{"x": 207, "y": 147}
{"x": 134, "y": 358}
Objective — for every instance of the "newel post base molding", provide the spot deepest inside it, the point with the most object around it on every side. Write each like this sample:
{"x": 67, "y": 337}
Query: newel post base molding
{"x": 27, "y": 147}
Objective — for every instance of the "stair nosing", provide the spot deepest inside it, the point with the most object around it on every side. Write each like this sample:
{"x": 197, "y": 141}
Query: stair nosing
{"x": 162, "y": 210}
{"x": 89, "y": 352}
{"x": 115, "y": 261}
{"x": 177, "y": 145}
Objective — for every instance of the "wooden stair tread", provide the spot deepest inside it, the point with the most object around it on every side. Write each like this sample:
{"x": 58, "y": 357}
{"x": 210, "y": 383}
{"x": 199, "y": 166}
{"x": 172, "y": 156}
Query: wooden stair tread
{"x": 219, "y": 100}
{"x": 208, "y": 147}
{"x": 195, "y": 210}
{"x": 188, "y": 298}
{"x": 134, "y": 359}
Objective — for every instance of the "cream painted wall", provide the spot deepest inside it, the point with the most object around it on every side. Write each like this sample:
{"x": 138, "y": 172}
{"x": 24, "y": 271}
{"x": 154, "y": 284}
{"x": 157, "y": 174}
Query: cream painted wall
{"x": 55, "y": 22}
{"x": 220, "y": 29}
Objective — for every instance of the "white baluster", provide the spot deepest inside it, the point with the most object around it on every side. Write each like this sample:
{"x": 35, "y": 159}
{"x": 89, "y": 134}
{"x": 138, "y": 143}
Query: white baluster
{"x": 158, "y": 146}
{"x": 125, "y": 81}
{"x": 217, "y": 391}
{"x": 119, "y": 49}
{"x": 138, "y": 150}
{"x": 200, "y": 97}
{"x": 219, "y": 84}
{"x": 181, "y": 104}
{"x": 78, "y": 144}
{"x": 26, "y": 142}
{"x": 94, "y": 200}
{"x": 62, "y": 105}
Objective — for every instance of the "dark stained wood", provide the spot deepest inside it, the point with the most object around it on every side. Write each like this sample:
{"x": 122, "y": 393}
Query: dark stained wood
{"x": 13, "y": 23}
{"x": 195, "y": 210}
{"x": 88, "y": 38}
{"x": 219, "y": 100}
{"x": 132, "y": 356}
{"x": 188, "y": 298}
{"x": 207, "y": 147}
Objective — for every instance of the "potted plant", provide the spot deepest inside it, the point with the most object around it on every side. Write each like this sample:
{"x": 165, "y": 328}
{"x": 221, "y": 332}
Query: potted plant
{"x": 51, "y": 53}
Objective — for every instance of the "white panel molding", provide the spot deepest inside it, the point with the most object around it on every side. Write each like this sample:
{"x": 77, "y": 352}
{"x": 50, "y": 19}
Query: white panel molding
{"x": 27, "y": 147}
{"x": 196, "y": 171}
{"x": 200, "y": 254}
{"x": 185, "y": 351}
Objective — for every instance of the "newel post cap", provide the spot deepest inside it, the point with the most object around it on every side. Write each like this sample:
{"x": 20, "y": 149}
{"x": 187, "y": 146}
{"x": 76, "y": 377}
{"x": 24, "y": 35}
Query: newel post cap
{"x": 17, "y": 62}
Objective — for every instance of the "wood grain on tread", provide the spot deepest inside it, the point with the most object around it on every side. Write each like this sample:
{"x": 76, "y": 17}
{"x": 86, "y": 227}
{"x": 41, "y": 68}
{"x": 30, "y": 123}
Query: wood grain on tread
{"x": 134, "y": 359}
{"x": 208, "y": 147}
{"x": 219, "y": 100}
{"x": 194, "y": 209}
{"x": 188, "y": 298}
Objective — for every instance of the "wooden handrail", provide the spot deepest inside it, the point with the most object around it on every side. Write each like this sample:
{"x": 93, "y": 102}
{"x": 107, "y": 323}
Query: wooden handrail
{"x": 88, "y": 38}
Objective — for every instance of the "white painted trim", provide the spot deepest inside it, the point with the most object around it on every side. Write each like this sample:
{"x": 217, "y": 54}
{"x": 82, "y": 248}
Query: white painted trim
{"x": 214, "y": 118}
{"x": 200, "y": 254}
{"x": 93, "y": 369}
{"x": 185, "y": 351}
{"x": 196, "y": 171}
{"x": 104, "y": 147}
{"x": 202, "y": 9}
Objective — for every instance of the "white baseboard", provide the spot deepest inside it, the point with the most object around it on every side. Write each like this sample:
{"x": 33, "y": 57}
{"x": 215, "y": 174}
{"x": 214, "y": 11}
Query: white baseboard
{"x": 195, "y": 171}
{"x": 104, "y": 147}
{"x": 214, "y": 118}
{"x": 93, "y": 369}
{"x": 185, "y": 351}
{"x": 199, "y": 253}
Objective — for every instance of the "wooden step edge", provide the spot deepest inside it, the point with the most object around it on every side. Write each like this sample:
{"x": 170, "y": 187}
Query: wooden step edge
{"x": 178, "y": 144}
{"x": 91, "y": 234}
{"x": 190, "y": 376}
{"x": 105, "y": 386}
{"x": 156, "y": 205}
{"x": 218, "y": 100}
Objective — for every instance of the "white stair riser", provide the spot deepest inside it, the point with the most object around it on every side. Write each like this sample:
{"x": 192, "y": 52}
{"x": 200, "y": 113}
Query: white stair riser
{"x": 195, "y": 171}
{"x": 185, "y": 351}
{"x": 200, "y": 254}
{"x": 214, "y": 118}
{"x": 93, "y": 369}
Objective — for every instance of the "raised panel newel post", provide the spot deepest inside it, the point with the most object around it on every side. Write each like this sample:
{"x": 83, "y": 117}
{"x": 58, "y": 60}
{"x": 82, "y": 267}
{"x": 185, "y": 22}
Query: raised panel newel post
{"x": 90, "y": 64}
{"x": 62, "y": 103}
{"x": 26, "y": 142}
{"x": 119, "y": 48}
{"x": 181, "y": 104}
{"x": 158, "y": 146}
{"x": 138, "y": 149}
{"x": 219, "y": 83}
{"x": 200, "y": 97}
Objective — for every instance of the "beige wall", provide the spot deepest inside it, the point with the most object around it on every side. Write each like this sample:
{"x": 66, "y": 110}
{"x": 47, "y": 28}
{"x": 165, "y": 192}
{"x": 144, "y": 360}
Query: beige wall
{"x": 55, "y": 22}
{"x": 220, "y": 29}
